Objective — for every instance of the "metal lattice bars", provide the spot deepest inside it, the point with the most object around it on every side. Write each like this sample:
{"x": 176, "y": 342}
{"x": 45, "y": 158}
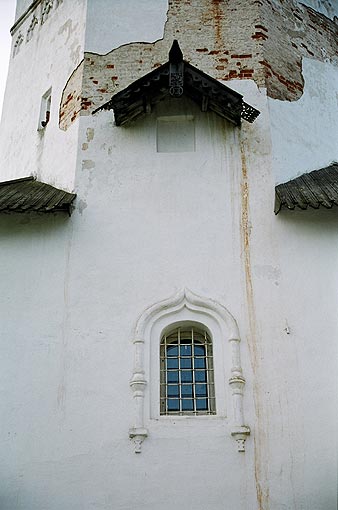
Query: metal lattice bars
{"x": 187, "y": 373}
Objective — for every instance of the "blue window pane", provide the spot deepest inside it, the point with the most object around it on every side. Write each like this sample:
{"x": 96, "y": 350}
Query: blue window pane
{"x": 186, "y": 373}
{"x": 173, "y": 404}
{"x": 173, "y": 390}
{"x": 172, "y": 376}
{"x": 172, "y": 350}
{"x": 201, "y": 390}
{"x": 202, "y": 404}
{"x": 172, "y": 363}
{"x": 200, "y": 376}
{"x": 186, "y": 376}
{"x": 187, "y": 405}
{"x": 199, "y": 362}
{"x": 185, "y": 350}
{"x": 186, "y": 390}
{"x": 199, "y": 350}
{"x": 186, "y": 363}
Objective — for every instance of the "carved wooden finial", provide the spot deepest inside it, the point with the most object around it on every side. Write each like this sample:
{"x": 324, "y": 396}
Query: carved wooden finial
{"x": 176, "y": 70}
{"x": 175, "y": 53}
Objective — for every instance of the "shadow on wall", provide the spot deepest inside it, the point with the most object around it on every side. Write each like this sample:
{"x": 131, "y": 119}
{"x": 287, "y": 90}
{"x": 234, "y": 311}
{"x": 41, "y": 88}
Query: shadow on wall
{"x": 33, "y": 224}
{"x": 305, "y": 223}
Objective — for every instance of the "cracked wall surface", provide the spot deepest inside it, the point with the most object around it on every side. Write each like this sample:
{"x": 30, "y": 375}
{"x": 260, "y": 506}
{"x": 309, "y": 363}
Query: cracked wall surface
{"x": 262, "y": 40}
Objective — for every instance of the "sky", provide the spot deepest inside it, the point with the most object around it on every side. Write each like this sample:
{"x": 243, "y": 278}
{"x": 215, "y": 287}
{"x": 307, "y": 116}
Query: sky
{"x": 7, "y": 11}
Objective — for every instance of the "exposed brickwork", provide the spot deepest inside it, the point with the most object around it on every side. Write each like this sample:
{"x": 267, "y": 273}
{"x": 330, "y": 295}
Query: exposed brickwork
{"x": 295, "y": 31}
{"x": 72, "y": 101}
{"x": 263, "y": 40}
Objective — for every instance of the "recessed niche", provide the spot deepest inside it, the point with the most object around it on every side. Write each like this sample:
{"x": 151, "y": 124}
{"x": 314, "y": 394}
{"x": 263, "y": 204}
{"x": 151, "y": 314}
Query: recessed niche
{"x": 45, "y": 109}
{"x": 176, "y": 133}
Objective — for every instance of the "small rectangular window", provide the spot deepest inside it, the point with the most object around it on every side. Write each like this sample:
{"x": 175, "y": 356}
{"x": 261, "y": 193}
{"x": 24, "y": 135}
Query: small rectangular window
{"x": 46, "y": 101}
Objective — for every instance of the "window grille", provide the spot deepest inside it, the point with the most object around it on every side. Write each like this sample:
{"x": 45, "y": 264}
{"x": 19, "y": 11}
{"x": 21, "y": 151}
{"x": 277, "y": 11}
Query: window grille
{"x": 187, "y": 373}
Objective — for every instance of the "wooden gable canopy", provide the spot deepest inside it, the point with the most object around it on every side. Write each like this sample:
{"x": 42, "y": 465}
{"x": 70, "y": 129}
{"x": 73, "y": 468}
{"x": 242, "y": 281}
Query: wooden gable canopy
{"x": 314, "y": 189}
{"x": 176, "y": 78}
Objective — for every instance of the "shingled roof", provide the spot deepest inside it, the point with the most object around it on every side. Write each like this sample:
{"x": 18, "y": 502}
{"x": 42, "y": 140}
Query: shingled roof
{"x": 176, "y": 78}
{"x": 27, "y": 194}
{"x": 314, "y": 189}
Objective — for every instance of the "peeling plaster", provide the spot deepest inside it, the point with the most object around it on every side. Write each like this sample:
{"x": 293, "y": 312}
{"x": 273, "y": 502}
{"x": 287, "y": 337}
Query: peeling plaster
{"x": 90, "y": 134}
{"x": 67, "y": 27}
{"x": 88, "y": 164}
{"x": 294, "y": 32}
{"x": 301, "y": 141}
{"x": 81, "y": 206}
{"x": 267, "y": 45}
{"x": 123, "y": 22}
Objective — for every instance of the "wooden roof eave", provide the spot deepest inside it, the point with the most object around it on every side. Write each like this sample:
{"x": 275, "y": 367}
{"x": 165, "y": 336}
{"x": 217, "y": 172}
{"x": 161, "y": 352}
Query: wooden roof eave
{"x": 27, "y": 194}
{"x": 315, "y": 189}
{"x": 206, "y": 91}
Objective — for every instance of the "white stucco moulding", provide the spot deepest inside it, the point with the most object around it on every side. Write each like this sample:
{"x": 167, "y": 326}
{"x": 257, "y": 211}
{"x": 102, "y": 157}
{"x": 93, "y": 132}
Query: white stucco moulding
{"x": 140, "y": 379}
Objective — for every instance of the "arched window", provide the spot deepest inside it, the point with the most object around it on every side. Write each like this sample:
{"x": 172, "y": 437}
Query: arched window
{"x": 196, "y": 342}
{"x": 186, "y": 372}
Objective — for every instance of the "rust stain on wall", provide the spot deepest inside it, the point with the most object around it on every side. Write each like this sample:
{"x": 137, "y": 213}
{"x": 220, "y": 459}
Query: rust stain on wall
{"x": 217, "y": 16}
{"x": 260, "y": 433}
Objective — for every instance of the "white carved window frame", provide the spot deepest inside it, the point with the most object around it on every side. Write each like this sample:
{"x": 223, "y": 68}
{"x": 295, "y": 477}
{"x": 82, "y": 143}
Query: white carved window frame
{"x": 185, "y": 308}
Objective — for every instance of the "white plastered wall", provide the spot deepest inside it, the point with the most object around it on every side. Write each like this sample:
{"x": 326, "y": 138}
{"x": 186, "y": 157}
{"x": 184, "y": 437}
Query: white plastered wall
{"x": 45, "y": 61}
{"x": 145, "y": 225}
{"x": 21, "y": 7}
{"x": 160, "y": 228}
{"x": 123, "y": 22}
{"x": 305, "y": 132}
